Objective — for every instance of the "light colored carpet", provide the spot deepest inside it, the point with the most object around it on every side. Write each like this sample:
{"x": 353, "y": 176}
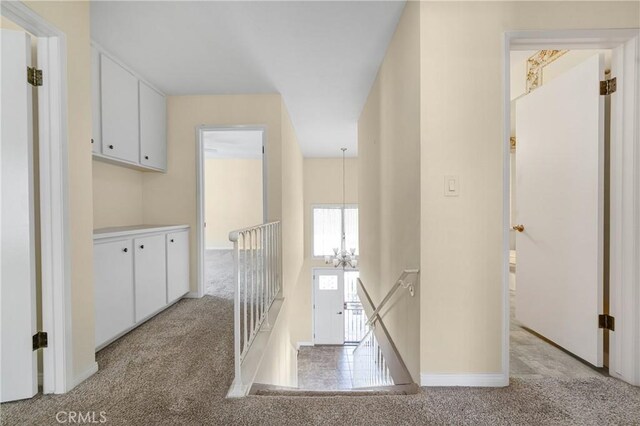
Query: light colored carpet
{"x": 176, "y": 369}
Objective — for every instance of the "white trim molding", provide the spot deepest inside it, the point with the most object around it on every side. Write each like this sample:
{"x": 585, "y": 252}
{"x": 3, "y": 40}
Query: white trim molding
{"x": 54, "y": 206}
{"x": 301, "y": 344}
{"x": 85, "y": 374}
{"x": 464, "y": 379}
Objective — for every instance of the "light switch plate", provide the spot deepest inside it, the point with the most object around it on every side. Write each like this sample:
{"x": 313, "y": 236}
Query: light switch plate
{"x": 451, "y": 186}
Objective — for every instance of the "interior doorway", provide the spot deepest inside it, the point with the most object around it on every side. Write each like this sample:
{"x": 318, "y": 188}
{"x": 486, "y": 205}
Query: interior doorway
{"x": 232, "y": 196}
{"x": 563, "y": 177}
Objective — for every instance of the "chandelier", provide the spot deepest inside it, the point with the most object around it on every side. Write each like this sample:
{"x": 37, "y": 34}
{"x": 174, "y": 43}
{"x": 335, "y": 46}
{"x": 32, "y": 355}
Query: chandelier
{"x": 341, "y": 257}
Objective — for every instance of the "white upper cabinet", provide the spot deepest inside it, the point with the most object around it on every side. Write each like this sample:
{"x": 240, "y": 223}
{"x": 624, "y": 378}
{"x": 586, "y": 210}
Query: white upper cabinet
{"x": 129, "y": 116}
{"x": 120, "y": 134}
{"x": 96, "y": 136}
{"x": 153, "y": 128}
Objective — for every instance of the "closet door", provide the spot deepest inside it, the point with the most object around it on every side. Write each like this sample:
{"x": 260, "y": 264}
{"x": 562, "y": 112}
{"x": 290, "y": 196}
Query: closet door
{"x": 119, "y": 102}
{"x": 150, "y": 275}
{"x": 153, "y": 128}
{"x": 113, "y": 289}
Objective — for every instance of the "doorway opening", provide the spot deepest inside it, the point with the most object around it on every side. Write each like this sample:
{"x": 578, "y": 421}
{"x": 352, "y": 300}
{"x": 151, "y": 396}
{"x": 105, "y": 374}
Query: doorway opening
{"x": 566, "y": 130}
{"x": 558, "y": 245}
{"x": 232, "y": 196}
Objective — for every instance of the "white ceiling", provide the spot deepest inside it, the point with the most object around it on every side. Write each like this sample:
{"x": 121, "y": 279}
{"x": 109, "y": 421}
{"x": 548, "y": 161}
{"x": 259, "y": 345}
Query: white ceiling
{"x": 233, "y": 143}
{"x": 321, "y": 56}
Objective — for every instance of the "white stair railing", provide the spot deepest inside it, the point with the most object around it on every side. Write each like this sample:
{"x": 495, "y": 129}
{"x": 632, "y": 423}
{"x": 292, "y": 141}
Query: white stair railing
{"x": 258, "y": 282}
{"x": 369, "y": 365}
{"x": 376, "y": 360}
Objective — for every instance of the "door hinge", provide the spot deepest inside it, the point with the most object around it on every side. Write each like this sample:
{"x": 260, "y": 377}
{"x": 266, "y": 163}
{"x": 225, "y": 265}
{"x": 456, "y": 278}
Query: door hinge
{"x": 608, "y": 87}
{"x": 607, "y": 322}
{"x": 34, "y": 76}
{"x": 40, "y": 340}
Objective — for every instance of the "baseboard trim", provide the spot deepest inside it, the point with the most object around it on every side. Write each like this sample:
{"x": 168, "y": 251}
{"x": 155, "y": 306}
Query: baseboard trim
{"x": 300, "y": 344}
{"x": 85, "y": 375}
{"x": 477, "y": 379}
{"x": 193, "y": 295}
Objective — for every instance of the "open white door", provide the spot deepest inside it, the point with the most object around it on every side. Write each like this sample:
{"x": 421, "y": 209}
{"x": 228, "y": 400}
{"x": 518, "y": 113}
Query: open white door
{"x": 328, "y": 315}
{"x": 560, "y": 202}
{"x": 18, "y": 374}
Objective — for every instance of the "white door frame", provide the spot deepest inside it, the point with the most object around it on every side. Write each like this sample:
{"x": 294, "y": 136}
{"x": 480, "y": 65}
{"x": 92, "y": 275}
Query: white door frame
{"x": 56, "y": 277}
{"x": 200, "y": 190}
{"x": 625, "y": 189}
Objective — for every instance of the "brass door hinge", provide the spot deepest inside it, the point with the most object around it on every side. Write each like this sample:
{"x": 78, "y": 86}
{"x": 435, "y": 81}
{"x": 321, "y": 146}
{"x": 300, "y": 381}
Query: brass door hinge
{"x": 608, "y": 87}
{"x": 34, "y": 76}
{"x": 607, "y": 322}
{"x": 40, "y": 340}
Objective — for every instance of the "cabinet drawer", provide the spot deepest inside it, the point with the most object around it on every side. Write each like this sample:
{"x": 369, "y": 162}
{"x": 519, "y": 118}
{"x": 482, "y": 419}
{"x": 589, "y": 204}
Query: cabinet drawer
{"x": 113, "y": 289}
{"x": 150, "y": 275}
{"x": 177, "y": 264}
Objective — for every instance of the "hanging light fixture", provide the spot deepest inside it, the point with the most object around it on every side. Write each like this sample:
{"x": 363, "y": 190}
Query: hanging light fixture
{"x": 341, "y": 257}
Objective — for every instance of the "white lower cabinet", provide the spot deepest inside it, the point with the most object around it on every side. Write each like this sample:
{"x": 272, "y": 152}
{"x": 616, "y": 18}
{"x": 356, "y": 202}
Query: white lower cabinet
{"x": 150, "y": 275}
{"x": 113, "y": 283}
{"x": 138, "y": 271}
{"x": 177, "y": 264}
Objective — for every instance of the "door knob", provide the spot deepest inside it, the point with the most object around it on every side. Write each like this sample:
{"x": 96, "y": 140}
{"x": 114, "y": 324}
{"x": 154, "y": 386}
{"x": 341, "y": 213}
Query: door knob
{"x": 518, "y": 228}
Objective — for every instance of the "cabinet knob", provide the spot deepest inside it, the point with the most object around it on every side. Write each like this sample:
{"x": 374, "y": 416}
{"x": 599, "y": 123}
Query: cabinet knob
{"x": 142, "y": 246}
{"x": 146, "y": 157}
{"x": 110, "y": 146}
{"x": 91, "y": 140}
{"x": 172, "y": 240}
{"x": 125, "y": 249}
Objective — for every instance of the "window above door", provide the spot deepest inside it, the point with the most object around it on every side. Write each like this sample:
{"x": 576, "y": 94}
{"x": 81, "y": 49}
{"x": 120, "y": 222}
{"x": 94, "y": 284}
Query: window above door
{"x": 327, "y": 228}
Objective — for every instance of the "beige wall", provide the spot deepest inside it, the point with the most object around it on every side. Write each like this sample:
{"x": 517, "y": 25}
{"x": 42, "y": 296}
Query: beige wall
{"x": 389, "y": 184}
{"x": 171, "y": 197}
{"x": 233, "y": 198}
{"x": 322, "y": 185}
{"x": 73, "y": 19}
{"x": 461, "y": 133}
{"x": 117, "y": 196}
{"x": 292, "y": 206}
{"x": 279, "y": 362}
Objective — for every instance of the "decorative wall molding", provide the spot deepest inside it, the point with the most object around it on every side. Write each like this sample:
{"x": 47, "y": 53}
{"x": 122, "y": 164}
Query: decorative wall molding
{"x": 536, "y": 63}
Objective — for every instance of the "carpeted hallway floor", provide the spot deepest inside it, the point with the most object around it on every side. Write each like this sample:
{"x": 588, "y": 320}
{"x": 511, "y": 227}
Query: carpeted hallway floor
{"x": 176, "y": 369}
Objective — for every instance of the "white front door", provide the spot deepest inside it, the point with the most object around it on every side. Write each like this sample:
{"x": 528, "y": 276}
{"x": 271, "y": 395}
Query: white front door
{"x": 560, "y": 202}
{"x": 18, "y": 373}
{"x": 328, "y": 308}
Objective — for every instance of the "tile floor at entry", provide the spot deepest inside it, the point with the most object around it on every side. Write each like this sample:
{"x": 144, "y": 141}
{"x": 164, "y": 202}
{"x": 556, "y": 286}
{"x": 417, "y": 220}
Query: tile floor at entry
{"x": 325, "y": 367}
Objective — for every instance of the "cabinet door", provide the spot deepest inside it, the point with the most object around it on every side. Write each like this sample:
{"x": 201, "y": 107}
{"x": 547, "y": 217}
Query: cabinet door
{"x": 150, "y": 275}
{"x": 119, "y": 101}
{"x": 177, "y": 264}
{"x": 96, "y": 135}
{"x": 153, "y": 128}
{"x": 113, "y": 289}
